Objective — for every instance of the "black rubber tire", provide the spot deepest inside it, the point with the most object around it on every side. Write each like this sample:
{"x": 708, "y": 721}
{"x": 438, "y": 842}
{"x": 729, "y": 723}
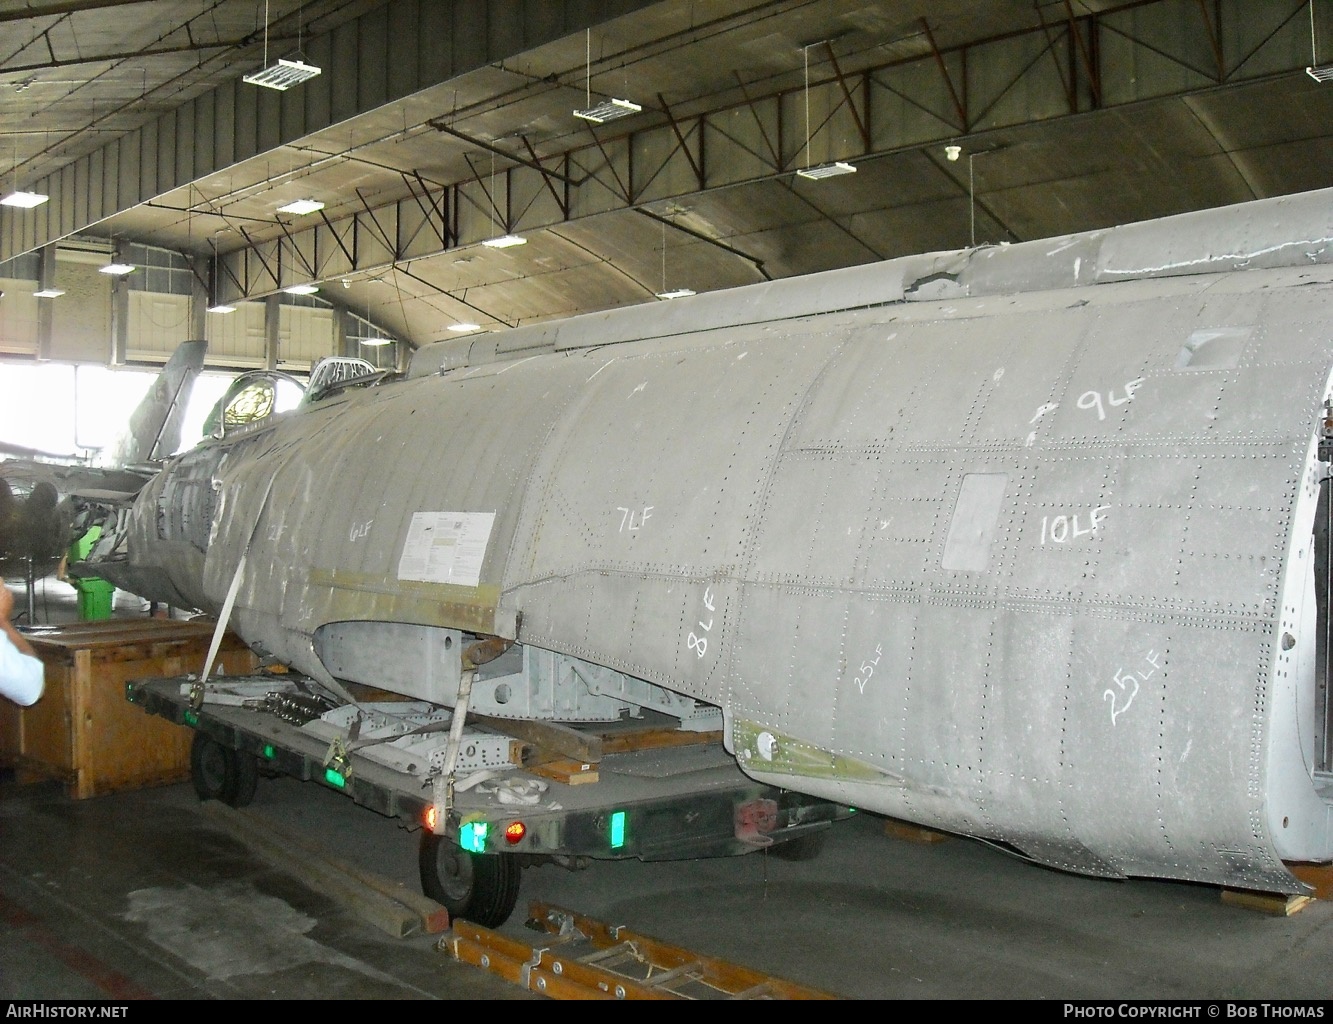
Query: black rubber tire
{"x": 477, "y": 887}
{"x": 220, "y": 773}
{"x": 806, "y": 847}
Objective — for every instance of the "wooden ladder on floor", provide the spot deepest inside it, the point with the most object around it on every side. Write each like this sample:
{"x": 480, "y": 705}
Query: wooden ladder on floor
{"x": 582, "y": 958}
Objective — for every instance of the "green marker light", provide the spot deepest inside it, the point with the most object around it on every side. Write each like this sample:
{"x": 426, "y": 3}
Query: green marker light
{"x": 334, "y": 778}
{"x": 191, "y": 718}
{"x": 617, "y": 830}
{"x": 268, "y": 751}
{"x": 472, "y": 836}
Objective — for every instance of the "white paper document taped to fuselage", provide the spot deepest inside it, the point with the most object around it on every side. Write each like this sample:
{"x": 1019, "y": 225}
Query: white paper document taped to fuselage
{"x": 446, "y": 547}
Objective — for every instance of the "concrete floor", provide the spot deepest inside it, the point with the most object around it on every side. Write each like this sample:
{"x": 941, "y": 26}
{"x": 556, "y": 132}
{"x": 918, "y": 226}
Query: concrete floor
{"x": 144, "y": 895}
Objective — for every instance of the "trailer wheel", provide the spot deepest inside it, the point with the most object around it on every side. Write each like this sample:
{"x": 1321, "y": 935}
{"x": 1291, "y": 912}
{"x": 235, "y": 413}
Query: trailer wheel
{"x": 220, "y": 773}
{"x": 477, "y": 887}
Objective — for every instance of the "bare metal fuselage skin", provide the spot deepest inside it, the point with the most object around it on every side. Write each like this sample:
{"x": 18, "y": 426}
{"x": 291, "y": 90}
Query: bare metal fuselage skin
{"x": 1016, "y": 543}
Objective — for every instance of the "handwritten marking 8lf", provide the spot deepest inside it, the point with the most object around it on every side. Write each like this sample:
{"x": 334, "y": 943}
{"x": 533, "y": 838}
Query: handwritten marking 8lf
{"x": 699, "y": 644}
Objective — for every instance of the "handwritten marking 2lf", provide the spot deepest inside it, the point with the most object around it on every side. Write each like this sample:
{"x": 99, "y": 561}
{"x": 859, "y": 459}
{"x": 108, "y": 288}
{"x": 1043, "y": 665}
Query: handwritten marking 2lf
{"x": 699, "y": 644}
{"x": 1093, "y": 399}
{"x": 1124, "y": 680}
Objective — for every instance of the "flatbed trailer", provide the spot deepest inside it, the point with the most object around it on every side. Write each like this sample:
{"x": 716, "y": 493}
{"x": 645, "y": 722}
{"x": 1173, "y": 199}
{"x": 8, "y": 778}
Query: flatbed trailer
{"x": 509, "y": 794}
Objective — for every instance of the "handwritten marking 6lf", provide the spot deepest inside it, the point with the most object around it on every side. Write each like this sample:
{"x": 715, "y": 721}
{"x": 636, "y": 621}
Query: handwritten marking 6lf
{"x": 699, "y": 644}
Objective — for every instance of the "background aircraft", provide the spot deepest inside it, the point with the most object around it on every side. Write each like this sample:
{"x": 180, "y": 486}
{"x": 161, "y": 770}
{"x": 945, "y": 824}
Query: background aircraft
{"x": 48, "y": 500}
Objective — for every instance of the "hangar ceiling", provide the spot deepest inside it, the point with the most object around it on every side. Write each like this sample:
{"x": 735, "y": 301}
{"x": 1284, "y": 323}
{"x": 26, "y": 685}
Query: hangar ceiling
{"x": 434, "y": 126}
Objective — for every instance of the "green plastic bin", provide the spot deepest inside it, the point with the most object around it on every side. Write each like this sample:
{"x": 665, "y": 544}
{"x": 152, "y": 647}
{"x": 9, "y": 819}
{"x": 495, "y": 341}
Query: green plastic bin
{"x": 96, "y": 596}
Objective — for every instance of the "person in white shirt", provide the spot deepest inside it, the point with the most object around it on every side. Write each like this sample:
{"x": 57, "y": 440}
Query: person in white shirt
{"x": 22, "y": 674}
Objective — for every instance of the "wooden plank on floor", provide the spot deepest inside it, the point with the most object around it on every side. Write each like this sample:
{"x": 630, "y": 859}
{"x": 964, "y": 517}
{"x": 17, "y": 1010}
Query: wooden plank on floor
{"x": 1318, "y": 877}
{"x": 912, "y": 833}
{"x": 1276, "y": 904}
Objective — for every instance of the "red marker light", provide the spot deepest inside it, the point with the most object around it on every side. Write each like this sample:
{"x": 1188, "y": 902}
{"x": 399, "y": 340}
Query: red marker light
{"x": 514, "y": 832}
{"x": 431, "y": 817}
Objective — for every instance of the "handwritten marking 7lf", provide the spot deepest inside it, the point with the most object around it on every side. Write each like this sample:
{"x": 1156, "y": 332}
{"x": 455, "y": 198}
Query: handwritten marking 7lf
{"x": 627, "y": 521}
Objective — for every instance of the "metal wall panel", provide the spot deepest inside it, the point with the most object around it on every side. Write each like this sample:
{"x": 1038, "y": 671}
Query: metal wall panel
{"x": 246, "y": 121}
{"x": 376, "y": 50}
{"x": 224, "y": 127}
{"x": 187, "y": 163}
{"x": 18, "y": 317}
{"x": 268, "y": 117}
{"x": 165, "y": 153}
{"x": 157, "y": 324}
{"x": 996, "y": 97}
{"x": 403, "y": 32}
{"x": 83, "y": 179}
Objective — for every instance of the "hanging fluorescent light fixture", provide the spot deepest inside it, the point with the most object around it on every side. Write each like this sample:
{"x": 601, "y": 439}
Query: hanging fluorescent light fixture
{"x": 669, "y": 293}
{"x": 464, "y": 328}
{"x": 829, "y": 170}
{"x": 222, "y": 307}
{"x": 301, "y": 289}
{"x": 608, "y": 111}
{"x": 49, "y": 293}
{"x": 505, "y": 241}
{"x": 283, "y": 74}
{"x": 1319, "y": 72}
{"x": 826, "y": 171}
{"x": 376, "y": 342}
{"x": 19, "y": 198}
{"x": 117, "y": 269}
{"x": 301, "y": 207}
{"x": 24, "y": 200}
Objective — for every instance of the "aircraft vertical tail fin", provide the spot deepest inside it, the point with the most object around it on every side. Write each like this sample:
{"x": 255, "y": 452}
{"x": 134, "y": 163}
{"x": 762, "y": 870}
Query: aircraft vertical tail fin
{"x": 155, "y": 426}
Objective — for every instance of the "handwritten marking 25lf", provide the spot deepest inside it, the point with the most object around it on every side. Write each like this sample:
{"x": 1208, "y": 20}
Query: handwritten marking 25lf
{"x": 1124, "y": 680}
{"x": 868, "y": 668}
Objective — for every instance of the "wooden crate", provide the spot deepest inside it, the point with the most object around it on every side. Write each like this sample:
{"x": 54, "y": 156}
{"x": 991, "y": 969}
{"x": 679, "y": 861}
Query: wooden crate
{"x": 83, "y": 731}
